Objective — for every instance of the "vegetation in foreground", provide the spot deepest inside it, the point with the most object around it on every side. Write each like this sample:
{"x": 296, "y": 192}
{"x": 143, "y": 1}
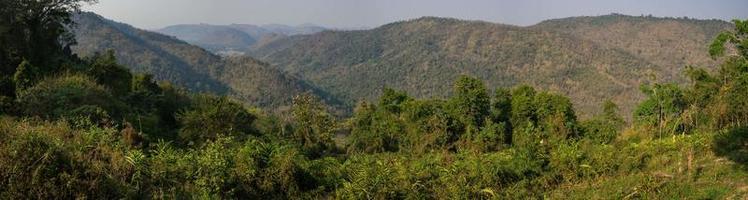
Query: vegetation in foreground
{"x": 88, "y": 128}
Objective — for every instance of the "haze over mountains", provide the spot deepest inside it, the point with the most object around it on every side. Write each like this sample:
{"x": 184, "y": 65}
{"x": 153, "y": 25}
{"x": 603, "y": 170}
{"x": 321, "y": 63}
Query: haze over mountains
{"x": 187, "y": 65}
{"x": 236, "y": 38}
{"x": 587, "y": 58}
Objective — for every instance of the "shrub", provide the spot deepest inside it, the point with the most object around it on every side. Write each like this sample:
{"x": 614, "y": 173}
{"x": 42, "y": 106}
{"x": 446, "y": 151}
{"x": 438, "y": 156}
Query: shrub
{"x": 209, "y": 116}
{"x": 63, "y": 96}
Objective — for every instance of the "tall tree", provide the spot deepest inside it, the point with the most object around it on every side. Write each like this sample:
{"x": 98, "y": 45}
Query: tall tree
{"x": 313, "y": 125}
{"x": 35, "y": 31}
{"x": 470, "y": 101}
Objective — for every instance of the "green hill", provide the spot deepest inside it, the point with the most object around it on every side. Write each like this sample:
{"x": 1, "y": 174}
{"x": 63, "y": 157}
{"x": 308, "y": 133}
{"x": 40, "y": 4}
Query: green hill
{"x": 421, "y": 55}
{"x": 234, "y": 38}
{"x": 669, "y": 42}
{"x": 190, "y": 66}
{"x": 210, "y": 37}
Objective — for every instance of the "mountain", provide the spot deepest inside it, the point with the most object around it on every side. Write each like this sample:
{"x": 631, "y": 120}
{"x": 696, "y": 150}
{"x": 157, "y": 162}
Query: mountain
{"x": 570, "y": 56}
{"x": 210, "y": 37}
{"x": 168, "y": 58}
{"x": 304, "y": 29}
{"x": 234, "y": 38}
{"x": 669, "y": 42}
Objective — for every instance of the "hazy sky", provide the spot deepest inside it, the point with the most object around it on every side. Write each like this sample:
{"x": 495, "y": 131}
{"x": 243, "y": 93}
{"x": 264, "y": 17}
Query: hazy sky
{"x": 152, "y": 14}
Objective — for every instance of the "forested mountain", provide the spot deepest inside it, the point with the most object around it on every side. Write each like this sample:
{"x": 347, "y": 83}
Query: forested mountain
{"x": 190, "y": 66}
{"x": 211, "y": 37}
{"x": 234, "y": 38}
{"x": 419, "y": 55}
{"x": 75, "y": 127}
{"x": 672, "y": 43}
{"x": 303, "y": 29}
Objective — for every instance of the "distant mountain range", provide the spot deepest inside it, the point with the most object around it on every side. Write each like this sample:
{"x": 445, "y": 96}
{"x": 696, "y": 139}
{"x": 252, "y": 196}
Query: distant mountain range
{"x": 190, "y": 66}
{"x": 234, "y": 38}
{"x": 590, "y": 59}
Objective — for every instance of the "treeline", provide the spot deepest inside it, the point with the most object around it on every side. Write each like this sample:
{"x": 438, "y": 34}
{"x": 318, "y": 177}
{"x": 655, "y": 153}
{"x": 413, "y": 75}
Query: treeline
{"x": 88, "y": 128}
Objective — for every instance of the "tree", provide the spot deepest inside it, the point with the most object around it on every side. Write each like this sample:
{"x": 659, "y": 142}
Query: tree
{"x": 209, "y": 117}
{"x": 729, "y": 107}
{"x": 470, "y": 101}
{"x": 662, "y": 108}
{"x": 555, "y": 116}
{"x": 36, "y": 31}
{"x": 313, "y": 125}
{"x": 501, "y": 112}
{"x": 63, "y": 96}
{"x": 523, "y": 107}
{"x": 374, "y": 130}
{"x": 107, "y": 72}
{"x": 392, "y": 100}
{"x": 604, "y": 128}
{"x": 26, "y": 75}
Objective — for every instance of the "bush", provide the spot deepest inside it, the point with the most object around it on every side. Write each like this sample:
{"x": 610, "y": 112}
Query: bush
{"x": 63, "y": 96}
{"x": 208, "y": 117}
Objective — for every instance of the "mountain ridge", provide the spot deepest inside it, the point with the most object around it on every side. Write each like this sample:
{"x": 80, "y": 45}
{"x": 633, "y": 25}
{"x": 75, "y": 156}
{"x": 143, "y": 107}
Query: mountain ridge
{"x": 400, "y": 54}
{"x": 197, "y": 69}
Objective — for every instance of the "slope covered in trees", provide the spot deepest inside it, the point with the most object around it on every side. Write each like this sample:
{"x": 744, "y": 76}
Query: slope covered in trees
{"x": 234, "y": 38}
{"x": 668, "y": 42}
{"x": 87, "y": 127}
{"x": 186, "y": 65}
{"x": 417, "y": 55}
{"x": 211, "y": 37}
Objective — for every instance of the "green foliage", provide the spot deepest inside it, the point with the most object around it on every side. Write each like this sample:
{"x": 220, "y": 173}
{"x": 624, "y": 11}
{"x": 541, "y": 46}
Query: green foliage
{"x": 62, "y": 96}
{"x": 609, "y": 54}
{"x": 731, "y": 144}
{"x": 604, "y": 128}
{"x": 375, "y": 130}
{"x": 662, "y": 109}
{"x": 26, "y": 75}
{"x": 523, "y": 108}
{"x": 107, "y": 72}
{"x": 470, "y": 102}
{"x": 99, "y": 132}
{"x": 556, "y": 117}
{"x": 313, "y": 126}
{"x": 208, "y": 117}
{"x": 393, "y": 100}
{"x": 35, "y": 32}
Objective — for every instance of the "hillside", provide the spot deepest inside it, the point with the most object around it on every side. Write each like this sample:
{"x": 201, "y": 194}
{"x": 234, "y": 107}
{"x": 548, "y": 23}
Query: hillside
{"x": 74, "y": 127}
{"x": 210, "y": 37}
{"x": 423, "y": 55}
{"x": 234, "y": 38}
{"x": 170, "y": 59}
{"x": 669, "y": 42}
{"x": 147, "y": 52}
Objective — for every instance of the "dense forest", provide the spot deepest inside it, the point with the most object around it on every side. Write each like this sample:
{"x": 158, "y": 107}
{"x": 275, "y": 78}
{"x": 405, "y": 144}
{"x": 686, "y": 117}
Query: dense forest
{"x": 87, "y": 127}
{"x": 589, "y": 59}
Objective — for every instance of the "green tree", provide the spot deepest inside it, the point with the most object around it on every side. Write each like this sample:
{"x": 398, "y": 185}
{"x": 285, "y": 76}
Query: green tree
{"x": 555, "y": 115}
{"x": 501, "y": 112}
{"x": 36, "y": 31}
{"x": 107, "y": 72}
{"x": 729, "y": 106}
{"x": 26, "y": 75}
{"x": 374, "y": 130}
{"x": 470, "y": 101}
{"x": 209, "y": 117}
{"x": 662, "y": 108}
{"x": 523, "y": 107}
{"x": 62, "y": 96}
{"x": 604, "y": 128}
{"x": 392, "y": 100}
{"x": 313, "y": 126}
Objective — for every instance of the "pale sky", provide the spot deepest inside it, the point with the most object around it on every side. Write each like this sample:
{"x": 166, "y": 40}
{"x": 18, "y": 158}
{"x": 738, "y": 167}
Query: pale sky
{"x": 152, "y": 14}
